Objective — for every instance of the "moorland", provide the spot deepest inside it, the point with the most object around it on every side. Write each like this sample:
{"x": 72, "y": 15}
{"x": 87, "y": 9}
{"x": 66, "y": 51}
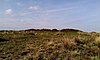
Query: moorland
{"x": 49, "y": 44}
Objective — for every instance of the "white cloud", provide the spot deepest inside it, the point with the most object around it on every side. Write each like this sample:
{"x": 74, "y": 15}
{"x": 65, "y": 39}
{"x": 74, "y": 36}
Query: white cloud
{"x": 33, "y": 7}
{"x": 61, "y": 9}
{"x": 26, "y": 13}
{"x": 19, "y": 4}
{"x": 43, "y": 12}
{"x": 9, "y": 12}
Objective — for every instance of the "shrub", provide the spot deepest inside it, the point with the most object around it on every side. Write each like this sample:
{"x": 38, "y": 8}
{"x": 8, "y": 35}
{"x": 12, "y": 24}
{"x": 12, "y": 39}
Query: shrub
{"x": 97, "y": 41}
{"x": 69, "y": 44}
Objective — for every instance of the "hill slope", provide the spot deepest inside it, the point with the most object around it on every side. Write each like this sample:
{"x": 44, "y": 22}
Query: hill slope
{"x": 49, "y": 45}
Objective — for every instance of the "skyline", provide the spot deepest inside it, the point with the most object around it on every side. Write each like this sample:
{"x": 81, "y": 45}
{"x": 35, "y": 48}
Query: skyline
{"x": 60, "y": 14}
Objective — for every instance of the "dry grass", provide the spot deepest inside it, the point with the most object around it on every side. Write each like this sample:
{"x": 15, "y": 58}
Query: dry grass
{"x": 97, "y": 41}
{"x": 48, "y": 45}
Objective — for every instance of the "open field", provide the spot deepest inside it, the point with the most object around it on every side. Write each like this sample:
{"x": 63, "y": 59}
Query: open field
{"x": 49, "y": 45}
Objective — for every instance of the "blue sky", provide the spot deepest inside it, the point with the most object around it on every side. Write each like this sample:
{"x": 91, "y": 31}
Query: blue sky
{"x": 24, "y": 14}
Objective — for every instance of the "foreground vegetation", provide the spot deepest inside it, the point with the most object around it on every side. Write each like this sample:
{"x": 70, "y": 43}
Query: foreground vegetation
{"x": 45, "y": 44}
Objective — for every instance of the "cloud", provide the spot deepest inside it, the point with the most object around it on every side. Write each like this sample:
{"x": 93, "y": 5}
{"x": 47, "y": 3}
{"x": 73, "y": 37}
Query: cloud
{"x": 19, "y": 4}
{"x": 26, "y": 13}
{"x": 57, "y": 10}
{"x": 9, "y": 12}
{"x": 45, "y": 11}
{"x": 33, "y": 8}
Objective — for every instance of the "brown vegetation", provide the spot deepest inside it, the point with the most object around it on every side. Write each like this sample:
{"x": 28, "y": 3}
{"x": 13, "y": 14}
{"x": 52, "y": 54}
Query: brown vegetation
{"x": 46, "y": 44}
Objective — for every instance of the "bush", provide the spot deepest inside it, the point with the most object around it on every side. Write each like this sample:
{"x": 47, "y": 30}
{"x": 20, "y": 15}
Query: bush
{"x": 97, "y": 41}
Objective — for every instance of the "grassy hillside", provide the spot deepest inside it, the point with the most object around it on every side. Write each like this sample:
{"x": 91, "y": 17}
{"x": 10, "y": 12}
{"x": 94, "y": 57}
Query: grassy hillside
{"x": 49, "y": 45}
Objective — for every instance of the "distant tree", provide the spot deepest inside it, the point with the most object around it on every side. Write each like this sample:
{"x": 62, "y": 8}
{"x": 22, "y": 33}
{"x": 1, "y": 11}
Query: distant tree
{"x": 54, "y": 30}
{"x": 71, "y": 30}
{"x": 45, "y": 29}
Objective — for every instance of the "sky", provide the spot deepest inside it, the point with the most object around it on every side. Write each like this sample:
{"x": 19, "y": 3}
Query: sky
{"x": 59, "y": 14}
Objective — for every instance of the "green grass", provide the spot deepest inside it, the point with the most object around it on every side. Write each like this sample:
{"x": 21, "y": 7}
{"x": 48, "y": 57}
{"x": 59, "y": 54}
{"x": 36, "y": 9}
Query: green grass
{"x": 49, "y": 45}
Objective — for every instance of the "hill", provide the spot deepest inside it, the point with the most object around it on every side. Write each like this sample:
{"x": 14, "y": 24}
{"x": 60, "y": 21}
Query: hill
{"x": 49, "y": 44}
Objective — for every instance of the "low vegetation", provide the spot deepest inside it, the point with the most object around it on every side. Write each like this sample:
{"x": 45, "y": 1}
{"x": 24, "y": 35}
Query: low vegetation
{"x": 46, "y": 44}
